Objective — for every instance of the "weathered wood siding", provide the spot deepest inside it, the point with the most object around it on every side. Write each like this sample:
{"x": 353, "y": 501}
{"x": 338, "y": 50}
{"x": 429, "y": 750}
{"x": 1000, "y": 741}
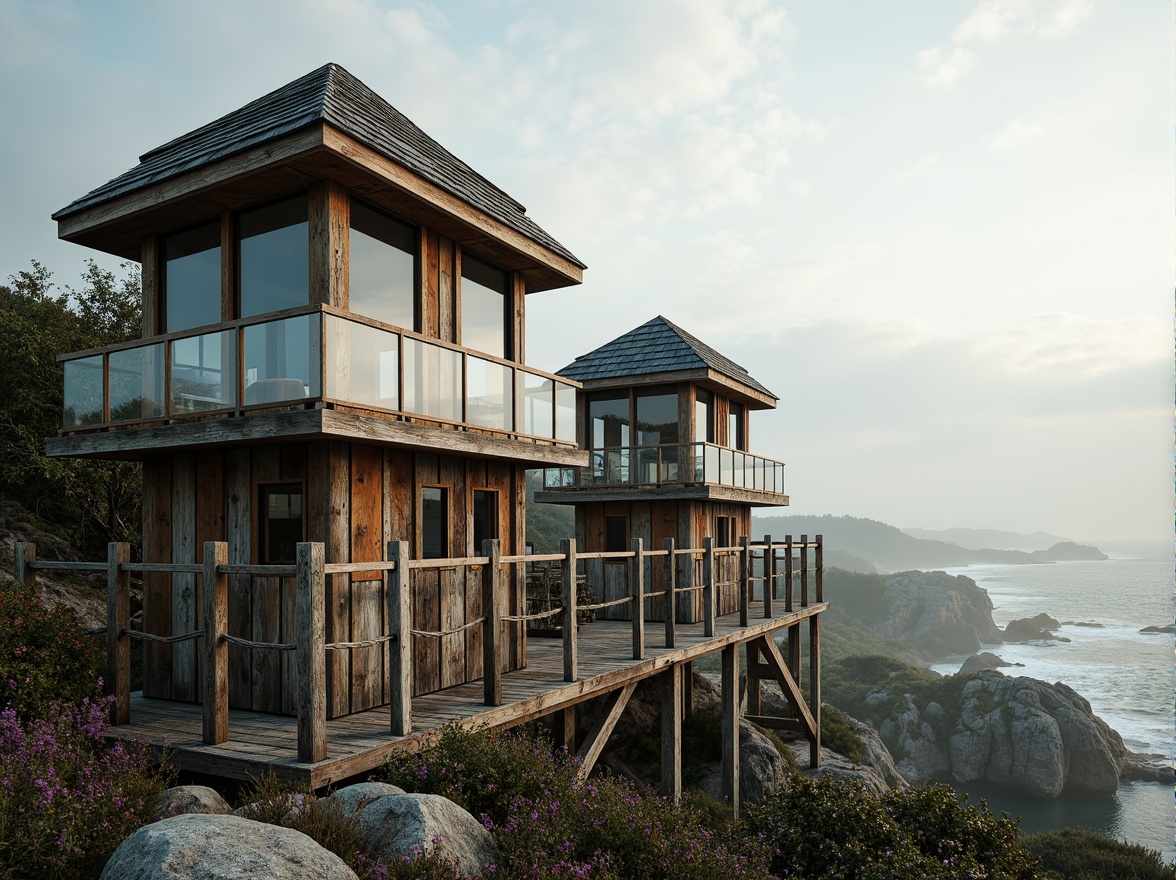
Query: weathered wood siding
{"x": 356, "y": 499}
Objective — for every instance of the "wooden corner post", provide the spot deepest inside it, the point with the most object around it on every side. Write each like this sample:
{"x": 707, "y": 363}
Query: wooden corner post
{"x": 670, "y": 580}
{"x": 400, "y": 645}
{"x": 492, "y": 628}
{"x": 637, "y": 592}
{"x": 769, "y": 575}
{"x": 118, "y": 621}
{"x": 24, "y": 554}
{"x": 819, "y": 563}
{"x": 310, "y": 624}
{"x": 744, "y": 579}
{"x": 708, "y": 586}
{"x": 215, "y": 599}
{"x": 568, "y": 549}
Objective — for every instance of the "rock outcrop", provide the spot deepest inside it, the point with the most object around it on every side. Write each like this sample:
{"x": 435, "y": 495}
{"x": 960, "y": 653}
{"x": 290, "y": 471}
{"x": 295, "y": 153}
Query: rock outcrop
{"x": 408, "y": 824}
{"x": 184, "y": 800}
{"x": 762, "y": 769}
{"x": 204, "y": 847}
{"x": 1032, "y": 629}
{"x": 938, "y": 613}
{"x": 353, "y": 798}
{"x": 982, "y": 661}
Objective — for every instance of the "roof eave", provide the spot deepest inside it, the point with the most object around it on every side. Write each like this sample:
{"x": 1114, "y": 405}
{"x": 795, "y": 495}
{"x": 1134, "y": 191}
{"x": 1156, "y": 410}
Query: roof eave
{"x": 704, "y": 377}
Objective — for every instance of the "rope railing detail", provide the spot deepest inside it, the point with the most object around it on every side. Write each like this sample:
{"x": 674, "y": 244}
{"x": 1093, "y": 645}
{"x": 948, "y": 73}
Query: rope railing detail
{"x": 600, "y": 605}
{"x": 245, "y": 643}
{"x": 431, "y": 634}
{"x": 162, "y": 640}
{"x": 525, "y": 618}
{"x": 366, "y": 643}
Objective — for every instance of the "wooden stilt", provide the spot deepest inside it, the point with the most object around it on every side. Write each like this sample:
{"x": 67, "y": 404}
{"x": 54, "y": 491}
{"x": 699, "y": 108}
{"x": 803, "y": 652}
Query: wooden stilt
{"x": 815, "y": 689}
{"x": 730, "y": 689}
{"x": 671, "y": 732}
{"x": 563, "y": 728}
{"x": 118, "y": 621}
{"x": 310, "y": 624}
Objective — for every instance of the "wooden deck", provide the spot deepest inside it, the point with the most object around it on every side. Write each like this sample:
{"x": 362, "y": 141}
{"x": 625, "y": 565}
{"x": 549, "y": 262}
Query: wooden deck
{"x": 361, "y": 742}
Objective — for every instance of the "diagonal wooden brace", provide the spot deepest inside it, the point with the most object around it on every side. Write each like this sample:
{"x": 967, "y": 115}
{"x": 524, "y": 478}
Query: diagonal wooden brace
{"x": 788, "y": 685}
{"x": 598, "y": 736}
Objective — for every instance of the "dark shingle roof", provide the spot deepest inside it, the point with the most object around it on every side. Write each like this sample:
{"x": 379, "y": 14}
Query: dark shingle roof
{"x": 332, "y": 95}
{"x": 657, "y": 346}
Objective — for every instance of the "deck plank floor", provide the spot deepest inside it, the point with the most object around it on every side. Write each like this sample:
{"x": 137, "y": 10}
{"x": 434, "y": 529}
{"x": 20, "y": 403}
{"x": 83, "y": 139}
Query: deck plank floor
{"x": 361, "y": 742}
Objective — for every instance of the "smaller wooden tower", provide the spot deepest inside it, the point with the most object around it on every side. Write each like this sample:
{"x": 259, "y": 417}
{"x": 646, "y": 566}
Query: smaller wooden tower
{"x": 665, "y": 419}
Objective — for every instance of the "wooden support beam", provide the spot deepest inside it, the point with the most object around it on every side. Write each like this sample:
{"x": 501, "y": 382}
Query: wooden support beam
{"x": 568, "y": 549}
{"x": 637, "y": 591}
{"x": 708, "y": 586}
{"x": 688, "y": 690}
{"x": 815, "y": 689}
{"x": 24, "y": 553}
{"x": 598, "y": 736}
{"x": 671, "y": 732}
{"x": 118, "y": 620}
{"x": 215, "y": 598}
{"x": 775, "y": 723}
{"x": 755, "y": 671}
{"x": 400, "y": 648}
{"x": 794, "y": 650}
{"x": 670, "y": 583}
{"x": 787, "y": 684}
{"x": 492, "y": 628}
{"x": 744, "y": 579}
{"x": 563, "y": 728}
{"x": 310, "y": 624}
{"x": 730, "y": 696}
{"x": 769, "y": 576}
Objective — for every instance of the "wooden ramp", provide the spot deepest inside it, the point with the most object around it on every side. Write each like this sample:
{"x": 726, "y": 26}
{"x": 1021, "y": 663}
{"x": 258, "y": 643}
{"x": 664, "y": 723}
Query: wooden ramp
{"x": 361, "y": 742}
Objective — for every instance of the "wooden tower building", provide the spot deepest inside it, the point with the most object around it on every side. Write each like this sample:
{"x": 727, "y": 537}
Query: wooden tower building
{"x": 332, "y": 351}
{"x": 665, "y": 420}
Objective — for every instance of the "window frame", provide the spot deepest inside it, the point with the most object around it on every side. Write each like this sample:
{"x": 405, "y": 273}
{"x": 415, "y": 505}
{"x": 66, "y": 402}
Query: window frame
{"x": 445, "y": 521}
{"x": 260, "y": 494}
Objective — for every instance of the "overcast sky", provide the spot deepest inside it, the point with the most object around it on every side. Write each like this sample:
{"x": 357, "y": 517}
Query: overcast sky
{"x": 940, "y": 230}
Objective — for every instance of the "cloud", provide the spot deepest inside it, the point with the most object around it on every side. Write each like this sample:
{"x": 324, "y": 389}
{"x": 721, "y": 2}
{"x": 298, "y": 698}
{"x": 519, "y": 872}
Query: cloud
{"x": 995, "y": 21}
{"x": 1014, "y": 135}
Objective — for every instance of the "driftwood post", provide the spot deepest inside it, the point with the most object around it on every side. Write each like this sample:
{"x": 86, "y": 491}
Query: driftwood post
{"x": 491, "y": 628}
{"x": 118, "y": 621}
{"x": 24, "y": 554}
{"x": 670, "y": 580}
{"x": 400, "y": 647}
{"x": 708, "y": 586}
{"x": 568, "y": 549}
{"x": 637, "y": 592}
{"x": 215, "y": 600}
{"x": 310, "y": 625}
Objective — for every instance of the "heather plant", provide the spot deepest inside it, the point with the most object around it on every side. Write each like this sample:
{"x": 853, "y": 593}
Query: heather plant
{"x": 44, "y": 655}
{"x": 1077, "y": 854}
{"x": 67, "y": 800}
{"x": 546, "y": 825}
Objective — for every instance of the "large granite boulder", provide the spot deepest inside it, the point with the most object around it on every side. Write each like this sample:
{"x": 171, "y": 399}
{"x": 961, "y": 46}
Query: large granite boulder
{"x": 938, "y": 613}
{"x": 980, "y": 662}
{"x": 762, "y": 769}
{"x": 353, "y": 798}
{"x": 412, "y": 824}
{"x": 205, "y": 847}
{"x": 191, "y": 799}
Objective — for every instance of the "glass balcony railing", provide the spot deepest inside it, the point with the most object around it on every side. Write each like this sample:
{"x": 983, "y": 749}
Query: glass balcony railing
{"x": 322, "y": 354}
{"x": 671, "y": 464}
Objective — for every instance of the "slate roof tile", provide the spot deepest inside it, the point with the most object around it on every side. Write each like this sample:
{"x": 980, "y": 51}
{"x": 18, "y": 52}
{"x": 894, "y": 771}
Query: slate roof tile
{"x": 333, "y": 95}
{"x": 657, "y": 346}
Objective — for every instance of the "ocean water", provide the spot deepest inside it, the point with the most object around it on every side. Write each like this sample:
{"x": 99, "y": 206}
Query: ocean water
{"x": 1126, "y": 676}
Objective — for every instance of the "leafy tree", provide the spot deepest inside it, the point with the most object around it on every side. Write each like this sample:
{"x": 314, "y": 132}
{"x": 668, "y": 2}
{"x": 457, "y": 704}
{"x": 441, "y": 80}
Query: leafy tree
{"x": 88, "y": 502}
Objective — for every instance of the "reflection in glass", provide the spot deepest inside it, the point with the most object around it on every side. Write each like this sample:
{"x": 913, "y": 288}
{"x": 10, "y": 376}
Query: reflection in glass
{"x": 483, "y": 306}
{"x": 83, "y": 392}
{"x": 489, "y": 394}
{"x": 704, "y": 422}
{"x": 710, "y": 471}
{"x": 273, "y": 255}
{"x": 657, "y": 423}
{"x": 565, "y": 412}
{"x": 136, "y": 383}
{"x": 192, "y": 278}
{"x": 434, "y": 522}
{"x": 432, "y": 380}
{"x": 536, "y": 393}
{"x": 735, "y": 438}
{"x": 383, "y": 267}
{"x": 204, "y": 371}
{"x": 363, "y": 364}
{"x": 282, "y": 360}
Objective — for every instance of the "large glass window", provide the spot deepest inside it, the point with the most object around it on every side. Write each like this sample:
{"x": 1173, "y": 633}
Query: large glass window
{"x": 203, "y": 372}
{"x": 704, "y": 421}
{"x": 657, "y": 425}
{"x": 608, "y": 421}
{"x": 282, "y": 360}
{"x": 383, "y": 267}
{"x": 280, "y": 523}
{"x": 434, "y": 522}
{"x": 483, "y": 306}
{"x": 485, "y": 518}
{"x": 273, "y": 258}
{"x": 735, "y": 437}
{"x": 192, "y": 278}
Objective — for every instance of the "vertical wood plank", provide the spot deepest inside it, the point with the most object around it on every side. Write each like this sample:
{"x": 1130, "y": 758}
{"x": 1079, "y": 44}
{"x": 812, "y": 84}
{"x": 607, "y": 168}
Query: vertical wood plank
{"x": 149, "y": 284}
{"x": 184, "y": 596}
{"x": 329, "y": 216}
{"x": 228, "y": 266}
{"x": 118, "y": 621}
{"x": 670, "y": 583}
{"x": 568, "y": 549}
{"x": 338, "y": 588}
{"x": 491, "y": 586}
{"x": 708, "y": 583}
{"x": 518, "y": 325}
{"x": 312, "y": 671}
{"x": 671, "y": 732}
{"x": 367, "y": 593}
{"x": 266, "y": 598}
{"x": 730, "y": 697}
{"x": 215, "y": 713}
{"x": 446, "y": 289}
{"x": 239, "y": 528}
{"x": 210, "y": 526}
{"x": 292, "y": 466}
{"x": 429, "y": 311}
{"x": 400, "y": 648}
{"x": 637, "y": 592}
{"x": 744, "y": 579}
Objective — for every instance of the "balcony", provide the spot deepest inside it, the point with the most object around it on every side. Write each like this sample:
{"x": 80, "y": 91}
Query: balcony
{"x": 318, "y": 359}
{"x": 687, "y": 470}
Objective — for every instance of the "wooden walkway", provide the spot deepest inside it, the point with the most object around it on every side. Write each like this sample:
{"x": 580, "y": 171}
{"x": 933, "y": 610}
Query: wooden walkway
{"x": 361, "y": 742}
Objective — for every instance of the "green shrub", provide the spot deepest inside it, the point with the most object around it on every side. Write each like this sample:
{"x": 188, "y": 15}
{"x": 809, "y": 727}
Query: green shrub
{"x": 67, "y": 800}
{"x": 44, "y": 655}
{"x": 832, "y": 827}
{"x": 836, "y": 734}
{"x": 1077, "y": 854}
